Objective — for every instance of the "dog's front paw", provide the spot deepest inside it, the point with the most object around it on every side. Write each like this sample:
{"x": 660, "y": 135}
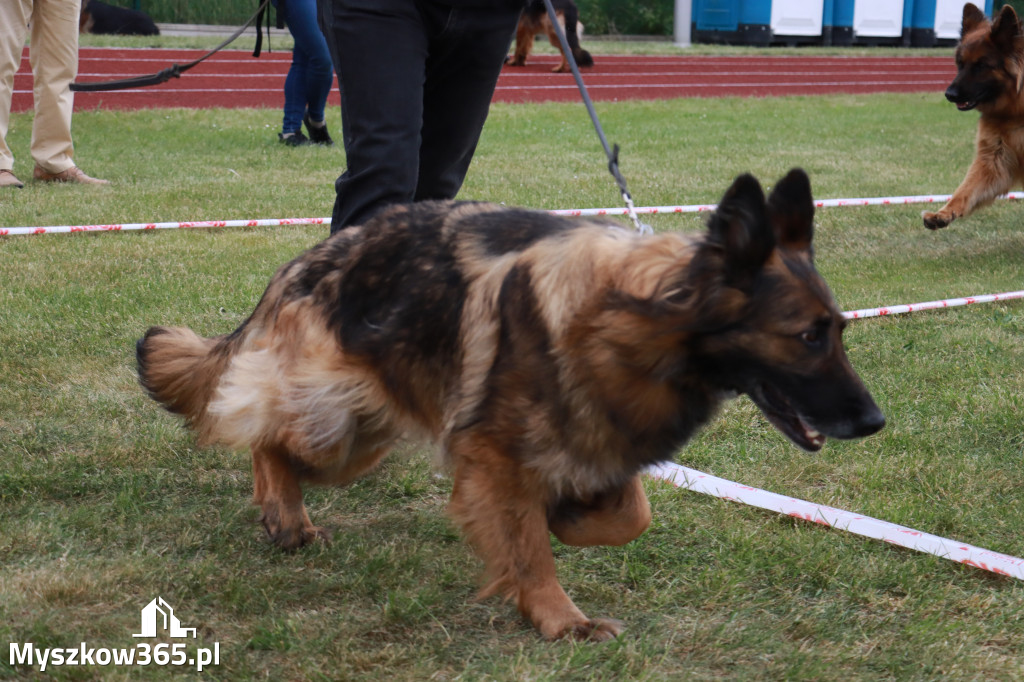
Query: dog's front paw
{"x": 935, "y": 221}
{"x": 294, "y": 536}
{"x": 597, "y": 630}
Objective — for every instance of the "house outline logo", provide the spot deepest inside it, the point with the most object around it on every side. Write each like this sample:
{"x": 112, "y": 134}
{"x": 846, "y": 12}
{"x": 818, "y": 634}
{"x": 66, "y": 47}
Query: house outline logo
{"x": 159, "y": 611}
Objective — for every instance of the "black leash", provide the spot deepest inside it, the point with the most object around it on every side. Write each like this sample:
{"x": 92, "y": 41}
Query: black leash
{"x": 175, "y": 70}
{"x": 611, "y": 153}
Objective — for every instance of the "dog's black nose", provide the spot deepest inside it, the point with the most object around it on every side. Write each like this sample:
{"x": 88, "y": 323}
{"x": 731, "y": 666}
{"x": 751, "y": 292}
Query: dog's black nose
{"x": 953, "y": 93}
{"x": 870, "y": 422}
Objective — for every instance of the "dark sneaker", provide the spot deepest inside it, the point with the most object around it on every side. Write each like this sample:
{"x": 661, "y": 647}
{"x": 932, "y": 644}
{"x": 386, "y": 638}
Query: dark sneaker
{"x": 318, "y": 134}
{"x": 296, "y": 139}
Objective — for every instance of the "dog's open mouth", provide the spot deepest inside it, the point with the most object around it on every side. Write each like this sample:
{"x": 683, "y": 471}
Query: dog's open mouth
{"x": 966, "y": 105}
{"x": 781, "y": 413}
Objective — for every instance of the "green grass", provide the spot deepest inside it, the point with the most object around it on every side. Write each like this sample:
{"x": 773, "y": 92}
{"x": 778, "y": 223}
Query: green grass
{"x": 105, "y": 502}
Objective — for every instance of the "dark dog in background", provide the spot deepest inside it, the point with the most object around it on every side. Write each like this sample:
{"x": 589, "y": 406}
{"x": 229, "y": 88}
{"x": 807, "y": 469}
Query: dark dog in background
{"x": 990, "y": 78}
{"x": 552, "y": 359}
{"x": 535, "y": 21}
{"x": 101, "y": 18}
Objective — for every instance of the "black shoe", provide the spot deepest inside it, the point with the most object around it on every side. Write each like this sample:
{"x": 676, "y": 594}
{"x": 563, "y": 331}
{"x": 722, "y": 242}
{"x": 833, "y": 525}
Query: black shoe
{"x": 296, "y": 139}
{"x": 318, "y": 135}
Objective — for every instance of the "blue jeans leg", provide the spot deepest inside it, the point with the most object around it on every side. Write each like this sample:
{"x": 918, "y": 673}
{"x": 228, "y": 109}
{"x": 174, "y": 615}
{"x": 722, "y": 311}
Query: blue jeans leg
{"x": 311, "y": 73}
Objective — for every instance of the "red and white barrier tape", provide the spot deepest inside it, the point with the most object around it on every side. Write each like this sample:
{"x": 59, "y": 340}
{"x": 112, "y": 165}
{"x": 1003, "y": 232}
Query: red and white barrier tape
{"x": 858, "y": 524}
{"x": 931, "y": 305}
{"x": 821, "y": 203}
{"x": 648, "y": 210}
{"x": 119, "y": 227}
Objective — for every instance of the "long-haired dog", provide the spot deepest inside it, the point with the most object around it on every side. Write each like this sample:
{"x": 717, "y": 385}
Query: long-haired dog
{"x": 101, "y": 18}
{"x": 552, "y": 359}
{"x": 535, "y": 21}
{"x": 989, "y": 78}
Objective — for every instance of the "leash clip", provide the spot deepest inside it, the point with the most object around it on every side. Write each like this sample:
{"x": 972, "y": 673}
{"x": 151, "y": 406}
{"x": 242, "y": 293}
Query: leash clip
{"x": 613, "y": 168}
{"x": 642, "y": 228}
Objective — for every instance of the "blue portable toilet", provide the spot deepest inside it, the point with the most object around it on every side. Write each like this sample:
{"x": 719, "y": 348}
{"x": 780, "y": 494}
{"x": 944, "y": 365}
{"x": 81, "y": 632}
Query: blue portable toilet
{"x": 757, "y": 22}
{"x": 920, "y": 23}
{"x": 731, "y": 21}
{"x": 937, "y": 22}
{"x": 838, "y": 29}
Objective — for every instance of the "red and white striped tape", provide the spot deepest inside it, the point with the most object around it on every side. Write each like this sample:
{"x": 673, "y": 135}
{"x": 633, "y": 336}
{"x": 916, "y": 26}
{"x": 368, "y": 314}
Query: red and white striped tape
{"x": 647, "y": 210}
{"x": 931, "y": 305}
{"x": 821, "y": 203}
{"x": 858, "y": 524}
{"x": 120, "y": 227}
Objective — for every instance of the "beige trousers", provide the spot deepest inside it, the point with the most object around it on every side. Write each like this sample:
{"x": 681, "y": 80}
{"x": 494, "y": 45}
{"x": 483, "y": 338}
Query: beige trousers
{"x": 54, "y": 59}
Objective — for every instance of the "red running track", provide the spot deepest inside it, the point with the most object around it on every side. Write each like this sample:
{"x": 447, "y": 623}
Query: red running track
{"x": 233, "y": 78}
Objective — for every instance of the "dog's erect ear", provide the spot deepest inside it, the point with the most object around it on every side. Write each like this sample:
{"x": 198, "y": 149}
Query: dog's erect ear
{"x": 740, "y": 225}
{"x": 791, "y": 211}
{"x": 1006, "y": 33}
{"x": 973, "y": 17}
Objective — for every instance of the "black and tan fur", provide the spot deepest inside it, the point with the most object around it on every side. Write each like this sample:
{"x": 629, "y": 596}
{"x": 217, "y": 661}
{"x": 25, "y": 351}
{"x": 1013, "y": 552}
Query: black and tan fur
{"x": 102, "y": 18}
{"x": 990, "y": 78}
{"x": 535, "y": 21}
{"x": 552, "y": 359}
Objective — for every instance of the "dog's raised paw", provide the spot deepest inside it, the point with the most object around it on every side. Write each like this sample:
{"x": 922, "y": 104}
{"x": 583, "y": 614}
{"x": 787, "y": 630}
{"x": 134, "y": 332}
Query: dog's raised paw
{"x": 935, "y": 221}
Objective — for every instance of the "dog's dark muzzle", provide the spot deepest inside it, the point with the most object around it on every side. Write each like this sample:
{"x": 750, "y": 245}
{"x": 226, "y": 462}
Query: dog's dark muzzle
{"x": 962, "y": 101}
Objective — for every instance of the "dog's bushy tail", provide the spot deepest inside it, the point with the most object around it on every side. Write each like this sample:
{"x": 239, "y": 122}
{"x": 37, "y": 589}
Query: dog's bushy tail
{"x": 180, "y": 370}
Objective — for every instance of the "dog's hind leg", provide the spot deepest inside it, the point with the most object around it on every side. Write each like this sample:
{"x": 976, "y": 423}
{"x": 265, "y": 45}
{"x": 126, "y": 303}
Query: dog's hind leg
{"x": 277, "y": 491}
{"x": 524, "y": 43}
{"x": 563, "y": 66}
{"x": 613, "y": 518}
{"x": 502, "y": 509}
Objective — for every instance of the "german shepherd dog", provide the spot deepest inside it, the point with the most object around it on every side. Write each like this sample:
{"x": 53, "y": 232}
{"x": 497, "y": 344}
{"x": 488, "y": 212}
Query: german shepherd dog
{"x": 535, "y": 21}
{"x": 100, "y": 18}
{"x": 990, "y": 78}
{"x": 551, "y": 358}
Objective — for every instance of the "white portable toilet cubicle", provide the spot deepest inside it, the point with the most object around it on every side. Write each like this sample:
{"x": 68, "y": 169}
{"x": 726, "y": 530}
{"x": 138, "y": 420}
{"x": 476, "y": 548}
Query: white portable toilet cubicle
{"x": 948, "y": 17}
{"x": 798, "y": 19}
{"x": 877, "y": 19}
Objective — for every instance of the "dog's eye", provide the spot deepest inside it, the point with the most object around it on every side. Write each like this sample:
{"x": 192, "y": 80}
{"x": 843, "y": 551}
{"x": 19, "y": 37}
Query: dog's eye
{"x": 815, "y": 336}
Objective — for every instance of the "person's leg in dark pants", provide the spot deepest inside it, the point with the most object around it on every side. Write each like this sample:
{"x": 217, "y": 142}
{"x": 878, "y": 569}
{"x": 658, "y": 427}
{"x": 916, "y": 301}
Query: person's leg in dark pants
{"x": 462, "y": 70}
{"x": 415, "y": 90}
{"x": 379, "y": 48}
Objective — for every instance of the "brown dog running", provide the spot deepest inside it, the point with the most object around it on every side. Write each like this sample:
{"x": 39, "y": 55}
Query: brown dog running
{"x": 534, "y": 21}
{"x": 552, "y": 359}
{"x": 990, "y": 78}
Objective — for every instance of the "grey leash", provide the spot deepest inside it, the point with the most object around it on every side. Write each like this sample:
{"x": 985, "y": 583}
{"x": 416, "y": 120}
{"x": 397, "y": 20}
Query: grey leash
{"x": 611, "y": 153}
